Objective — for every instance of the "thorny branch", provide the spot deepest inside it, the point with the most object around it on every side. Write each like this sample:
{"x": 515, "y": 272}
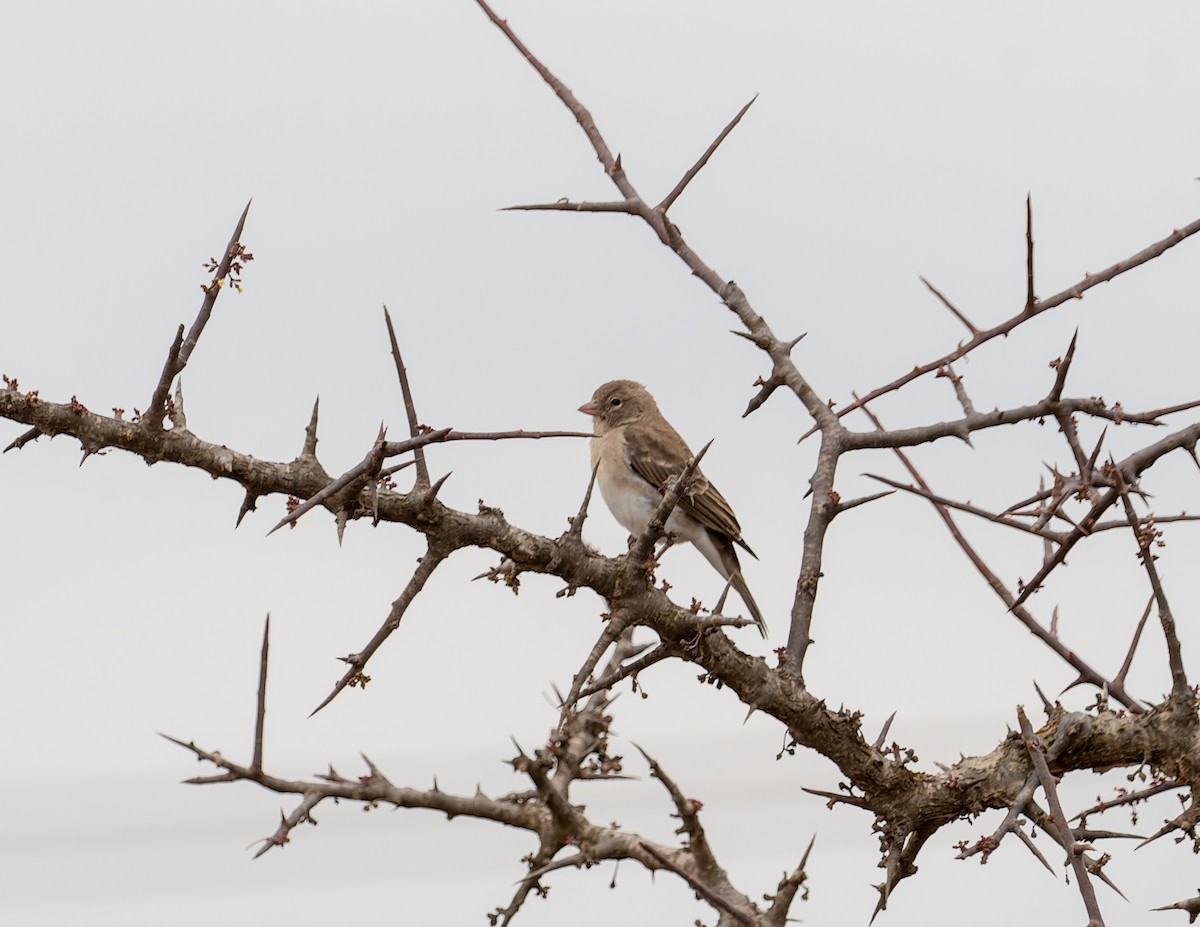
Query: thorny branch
{"x": 909, "y": 806}
{"x": 1074, "y": 853}
{"x": 577, "y": 751}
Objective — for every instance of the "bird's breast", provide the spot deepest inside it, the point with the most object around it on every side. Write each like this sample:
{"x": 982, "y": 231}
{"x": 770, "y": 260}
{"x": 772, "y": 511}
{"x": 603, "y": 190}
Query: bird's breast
{"x": 631, "y": 499}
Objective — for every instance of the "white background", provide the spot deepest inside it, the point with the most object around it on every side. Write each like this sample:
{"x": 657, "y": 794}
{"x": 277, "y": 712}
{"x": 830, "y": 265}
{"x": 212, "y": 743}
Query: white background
{"x": 378, "y": 141}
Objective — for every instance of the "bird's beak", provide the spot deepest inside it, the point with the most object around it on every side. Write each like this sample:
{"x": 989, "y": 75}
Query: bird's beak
{"x": 590, "y": 408}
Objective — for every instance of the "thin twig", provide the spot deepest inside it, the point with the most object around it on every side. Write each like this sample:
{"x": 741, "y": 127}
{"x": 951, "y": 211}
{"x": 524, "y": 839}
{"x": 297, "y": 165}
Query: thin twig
{"x": 1074, "y": 853}
{"x": 357, "y": 661}
{"x": 1146, "y": 538}
{"x": 410, "y": 410}
{"x": 181, "y": 351}
{"x": 1075, "y": 291}
{"x": 1071, "y": 656}
{"x": 1030, "y": 298}
{"x": 1137, "y": 636}
{"x": 260, "y": 716}
{"x": 670, "y": 198}
{"x": 639, "y": 550}
{"x": 954, "y": 310}
{"x": 659, "y": 653}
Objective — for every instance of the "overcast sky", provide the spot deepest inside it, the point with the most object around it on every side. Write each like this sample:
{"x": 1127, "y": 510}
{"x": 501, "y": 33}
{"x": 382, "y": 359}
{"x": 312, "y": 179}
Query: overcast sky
{"x": 378, "y": 142}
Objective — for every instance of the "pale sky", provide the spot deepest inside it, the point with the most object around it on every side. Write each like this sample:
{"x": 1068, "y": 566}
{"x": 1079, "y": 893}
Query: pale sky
{"x": 378, "y": 142}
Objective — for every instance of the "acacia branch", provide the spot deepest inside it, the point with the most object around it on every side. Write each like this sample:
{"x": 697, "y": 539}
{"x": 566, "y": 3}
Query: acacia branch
{"x": 181, "y": 350}
{"x": 356, "y": 662}
{"x": 1075, "y": 291}
{"x": 1014, "y": 603}
{"x": 1074, "y": 854}
{"x": 1147, "y": 536}
{"x": 669, "y": 200}
{"x": 410, "y": 410}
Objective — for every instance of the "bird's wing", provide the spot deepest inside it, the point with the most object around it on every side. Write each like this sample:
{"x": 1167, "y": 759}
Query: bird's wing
{"x": 657, "y": 456}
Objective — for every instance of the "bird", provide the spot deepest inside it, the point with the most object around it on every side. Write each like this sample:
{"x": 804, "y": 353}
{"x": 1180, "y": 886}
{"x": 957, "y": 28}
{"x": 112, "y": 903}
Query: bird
{"x": 635, "y": 451}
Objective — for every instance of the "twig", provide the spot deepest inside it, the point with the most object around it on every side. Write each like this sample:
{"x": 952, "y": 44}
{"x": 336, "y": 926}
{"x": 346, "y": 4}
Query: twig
{"x": 357, "y": 661}
{"x": 256, "y": 762}
{"x": 639, "y": 550}
{"x": 1129, "y": 798}
{"x": 623, "y": 206}
{"x": 700, "y": 888}
{"x": 949, "y": 305}
{"x": 670, "y": 198}
{"x": 181, "y": 350}
{"x": 785, "y": 894}
{"x": 1137, "y": 636}
{"x": 1073, "y": 292}
{"x": 576, "y": 524}
{"x": 1146, "y": 537}
{"x": 1074, "y": 853}
{"x": 658, "y": 654}
{"x": 1071, "y": 656}
{"x": 410, "y": 410}
{"x": 1030, "y": 299}
{"x": 1063, "y": 365}
{"x": 613, "y": 630}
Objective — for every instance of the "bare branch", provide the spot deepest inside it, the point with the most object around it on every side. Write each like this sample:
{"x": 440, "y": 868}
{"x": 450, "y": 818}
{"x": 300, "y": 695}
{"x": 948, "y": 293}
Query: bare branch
{"x": 639, "y": 550}
{"x": 357, "y": 661}
{"x": 611, "y": 165}
{"x": 233, "y": 253}
{"x": 1074, "y": 854}
{"x": 776, "y": 915}
{"x": 1130, "y": 798}
{"x": 410, "y": 410}
{"x": 1030, "y": 298}
{"x": 949, "y": 305}
{"x": 1073, "y": 292}
{"x": 1147, "y": 536}
{"x": 575, "y": 530}
{"x": 256, "y": 762}
{"x": 1063, "y": 365}
{"x": 181, "y": 350}
{"x": 657, "y": 655}
{"x": 1070, "y": 655}
{"x": 629, "y": 207}
{"x": 670, "y": 198}
{"x": 613, "y": 629}
{"x": 1137, "y": 636}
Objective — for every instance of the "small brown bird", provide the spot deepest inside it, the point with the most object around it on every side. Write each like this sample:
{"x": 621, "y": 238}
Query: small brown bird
{"x": 636, "y": 451}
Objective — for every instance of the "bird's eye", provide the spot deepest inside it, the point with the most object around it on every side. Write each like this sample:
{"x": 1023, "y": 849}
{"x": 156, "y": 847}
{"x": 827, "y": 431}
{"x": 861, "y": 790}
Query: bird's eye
{"x": 615, "y": 401}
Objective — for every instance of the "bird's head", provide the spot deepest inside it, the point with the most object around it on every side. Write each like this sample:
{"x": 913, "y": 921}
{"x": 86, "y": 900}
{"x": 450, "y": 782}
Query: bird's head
{"x": 617, "y": 403}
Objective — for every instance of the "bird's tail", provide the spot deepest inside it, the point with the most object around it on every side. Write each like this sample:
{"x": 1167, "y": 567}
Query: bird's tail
{"x": 744, "y": 591}
{"x": 720, "y": 552}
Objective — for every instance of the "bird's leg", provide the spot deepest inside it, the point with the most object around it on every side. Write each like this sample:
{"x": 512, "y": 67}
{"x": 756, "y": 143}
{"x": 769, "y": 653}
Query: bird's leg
{"x": 668, "y": 543}
{"x": 719, "y": 609}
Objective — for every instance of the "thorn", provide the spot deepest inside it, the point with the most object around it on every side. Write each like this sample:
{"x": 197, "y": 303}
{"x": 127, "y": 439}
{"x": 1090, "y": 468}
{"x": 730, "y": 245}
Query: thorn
{"x": 788, "y": 345}
{"x": 309, "y": 448}
{"x": 1045, "y": 701}
{"x": 887, "y": 726}
{"x": 433, "y": 490}
{"x": 248, "y": 505}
